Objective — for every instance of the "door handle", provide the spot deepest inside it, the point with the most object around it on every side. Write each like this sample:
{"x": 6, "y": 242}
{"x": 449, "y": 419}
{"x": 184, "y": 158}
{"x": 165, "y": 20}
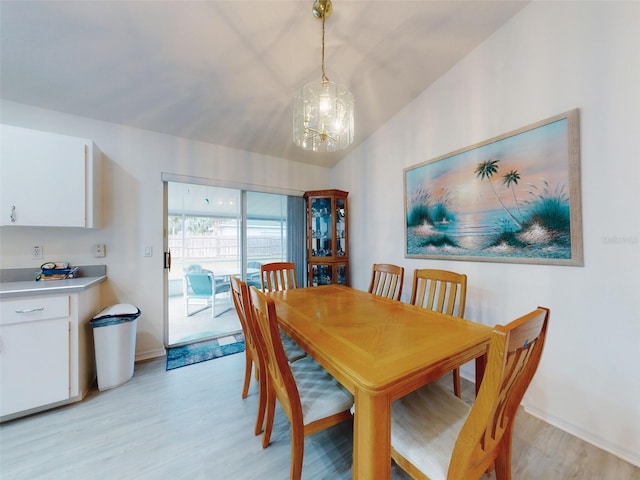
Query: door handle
{"x": 167, "y": 260}
{"x": 30, "y": 310}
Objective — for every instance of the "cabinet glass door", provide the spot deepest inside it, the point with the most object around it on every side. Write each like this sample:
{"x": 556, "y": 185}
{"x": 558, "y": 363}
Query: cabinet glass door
{"x": 322, "y": 227}
{"x": 321, "y": 275}
{"x": 341, "y": 227}
{"x": 341, "y": 271}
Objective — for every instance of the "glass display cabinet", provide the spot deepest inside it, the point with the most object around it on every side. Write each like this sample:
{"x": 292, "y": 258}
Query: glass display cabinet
{"x": 327, "y": 237}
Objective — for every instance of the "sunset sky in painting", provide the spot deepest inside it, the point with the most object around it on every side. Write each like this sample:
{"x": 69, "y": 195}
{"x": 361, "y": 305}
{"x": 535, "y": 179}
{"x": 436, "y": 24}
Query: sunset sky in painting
{"x": 536, "y": 154}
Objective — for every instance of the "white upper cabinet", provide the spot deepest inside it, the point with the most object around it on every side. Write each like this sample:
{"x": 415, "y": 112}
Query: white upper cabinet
{"x": 48, "y": 179}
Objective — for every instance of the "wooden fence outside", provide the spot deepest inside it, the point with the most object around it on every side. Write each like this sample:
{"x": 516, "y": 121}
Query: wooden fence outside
{"x": 202, "y": 246}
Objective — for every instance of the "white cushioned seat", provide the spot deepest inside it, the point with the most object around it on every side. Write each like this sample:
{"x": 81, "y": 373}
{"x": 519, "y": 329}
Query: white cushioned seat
{"x": 320, "y": 394}
{"x": 424, "y": 428}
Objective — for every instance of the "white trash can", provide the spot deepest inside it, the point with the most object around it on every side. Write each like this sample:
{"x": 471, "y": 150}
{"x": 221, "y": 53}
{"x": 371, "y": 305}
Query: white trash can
{"x": 114, "y": 339}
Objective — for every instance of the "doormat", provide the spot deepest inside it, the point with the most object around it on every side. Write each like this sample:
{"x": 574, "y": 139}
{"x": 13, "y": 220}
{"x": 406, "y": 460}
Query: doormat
{"x": 202, "y": 351}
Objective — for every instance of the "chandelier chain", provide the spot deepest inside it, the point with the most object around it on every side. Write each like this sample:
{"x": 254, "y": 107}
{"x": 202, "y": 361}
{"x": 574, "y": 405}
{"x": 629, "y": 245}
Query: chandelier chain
{"x": 324, "y": 75}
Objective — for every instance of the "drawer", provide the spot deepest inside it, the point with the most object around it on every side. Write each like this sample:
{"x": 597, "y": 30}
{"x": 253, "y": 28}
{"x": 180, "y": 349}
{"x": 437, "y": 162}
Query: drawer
{"x": 31, "y": 309}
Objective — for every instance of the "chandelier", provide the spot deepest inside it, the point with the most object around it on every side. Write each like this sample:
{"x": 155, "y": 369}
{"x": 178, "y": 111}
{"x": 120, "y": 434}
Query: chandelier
{"x": 323, "y": 111}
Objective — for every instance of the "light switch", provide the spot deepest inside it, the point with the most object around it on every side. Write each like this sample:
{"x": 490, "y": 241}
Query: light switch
{"x": 148, "y": 251}
{"x": 99, "y": 250}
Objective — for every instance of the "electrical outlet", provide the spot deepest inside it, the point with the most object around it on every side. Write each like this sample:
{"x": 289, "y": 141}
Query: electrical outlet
{"x": 36, "y": 252}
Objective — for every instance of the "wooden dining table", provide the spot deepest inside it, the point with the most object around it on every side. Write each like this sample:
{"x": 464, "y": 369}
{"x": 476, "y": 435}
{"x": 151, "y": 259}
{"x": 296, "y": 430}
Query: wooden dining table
{"x": 380, "y": 350}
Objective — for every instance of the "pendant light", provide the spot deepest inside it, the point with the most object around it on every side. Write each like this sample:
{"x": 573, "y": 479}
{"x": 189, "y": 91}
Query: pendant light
{"x": 323, "y": 111}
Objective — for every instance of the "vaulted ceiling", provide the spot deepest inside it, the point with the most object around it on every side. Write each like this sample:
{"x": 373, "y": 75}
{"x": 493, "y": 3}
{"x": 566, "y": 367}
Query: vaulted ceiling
{"x": 225, "y": 72}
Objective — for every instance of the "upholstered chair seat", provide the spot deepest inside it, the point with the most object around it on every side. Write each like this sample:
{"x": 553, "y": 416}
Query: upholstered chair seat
{"x": 320, "y": 394}
{"x": 428, "y": 420}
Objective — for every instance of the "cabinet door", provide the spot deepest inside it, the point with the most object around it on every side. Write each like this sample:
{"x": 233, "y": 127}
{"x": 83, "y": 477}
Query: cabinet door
{"x": 34, "y": 364}
{"x": 320, "y": 274}
{"x": 42, "y": 178}
{"x": 325, "y": 274}
{"x": 342, "y": 250}
{"x": 322, "y": 228}
{"x": 342, "y": 273}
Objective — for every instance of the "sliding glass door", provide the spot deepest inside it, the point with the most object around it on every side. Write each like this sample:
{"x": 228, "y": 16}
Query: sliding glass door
{"x": 213, "y": 233}
{"x": 266, "y": 232}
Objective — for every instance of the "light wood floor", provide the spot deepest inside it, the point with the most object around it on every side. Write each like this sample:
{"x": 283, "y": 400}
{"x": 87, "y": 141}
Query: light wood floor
{"x": 191, "y": 423}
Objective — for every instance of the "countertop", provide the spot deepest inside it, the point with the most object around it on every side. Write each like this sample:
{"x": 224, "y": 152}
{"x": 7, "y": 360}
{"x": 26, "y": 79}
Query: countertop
{"x": 46, "y": 287}
{"x": 20, "y": 282}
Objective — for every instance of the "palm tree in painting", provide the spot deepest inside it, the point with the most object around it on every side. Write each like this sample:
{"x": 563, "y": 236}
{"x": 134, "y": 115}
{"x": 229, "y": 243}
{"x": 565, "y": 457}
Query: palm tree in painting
{"x": 488, "y": 169}
{"x": 509, "y": 180}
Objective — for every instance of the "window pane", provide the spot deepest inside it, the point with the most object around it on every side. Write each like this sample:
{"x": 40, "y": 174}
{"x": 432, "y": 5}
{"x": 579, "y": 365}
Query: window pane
{"x": 266, "y": 228}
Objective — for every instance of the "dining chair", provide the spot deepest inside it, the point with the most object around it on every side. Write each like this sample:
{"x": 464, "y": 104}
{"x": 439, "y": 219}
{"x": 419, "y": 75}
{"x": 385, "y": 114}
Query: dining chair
{"x": 387, "y": 280}
{"x": 436, "y": 435}
{"x": 240, "y": 297}
{"x": 253, "y": 350}
{"x": 278, "y": 276}
{"x": 203, "y": 286}
{"x": 311, "y": 399}
{"x": 441, "y": 291}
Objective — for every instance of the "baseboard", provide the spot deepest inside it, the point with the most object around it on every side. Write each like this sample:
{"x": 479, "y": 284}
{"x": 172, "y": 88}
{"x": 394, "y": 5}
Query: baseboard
{"x": 150, "y": 354}
{"x": 589, "y": 437}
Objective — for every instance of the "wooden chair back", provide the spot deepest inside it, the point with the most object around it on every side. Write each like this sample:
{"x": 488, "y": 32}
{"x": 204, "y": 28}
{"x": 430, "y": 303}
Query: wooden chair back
{"x": 485, "y": 438}
{"x": 254, "y": 350}
{"x": 278, "y": 276}
{"x": 237, "y": 286}
{"x": 387, "y": 280}
{"x": 439, "y": 290}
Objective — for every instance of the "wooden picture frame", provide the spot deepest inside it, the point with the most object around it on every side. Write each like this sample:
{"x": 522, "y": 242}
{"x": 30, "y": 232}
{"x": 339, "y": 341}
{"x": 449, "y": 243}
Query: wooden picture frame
{"x": 513, "y": 198}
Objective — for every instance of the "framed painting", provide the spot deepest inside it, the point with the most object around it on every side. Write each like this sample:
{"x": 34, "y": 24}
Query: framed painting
{"x": 513, "y": 198}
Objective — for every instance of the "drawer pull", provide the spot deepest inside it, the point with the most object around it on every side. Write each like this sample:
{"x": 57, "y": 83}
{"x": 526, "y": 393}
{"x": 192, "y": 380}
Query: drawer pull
{"x": 30, "y": 310}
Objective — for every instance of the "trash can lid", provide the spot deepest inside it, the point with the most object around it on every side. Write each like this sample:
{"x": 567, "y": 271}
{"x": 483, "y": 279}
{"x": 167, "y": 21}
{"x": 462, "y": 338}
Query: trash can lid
{"x": 119, "y": 310}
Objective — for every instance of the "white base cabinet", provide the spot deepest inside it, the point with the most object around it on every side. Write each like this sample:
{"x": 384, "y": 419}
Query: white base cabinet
{"x": 34, "y": 364}
{"x": 46, "y": 352}
{"x": 48, "y": 180}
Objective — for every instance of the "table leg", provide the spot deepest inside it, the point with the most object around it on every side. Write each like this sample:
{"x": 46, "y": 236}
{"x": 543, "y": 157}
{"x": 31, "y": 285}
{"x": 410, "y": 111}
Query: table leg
{"x": 372, "y": 437}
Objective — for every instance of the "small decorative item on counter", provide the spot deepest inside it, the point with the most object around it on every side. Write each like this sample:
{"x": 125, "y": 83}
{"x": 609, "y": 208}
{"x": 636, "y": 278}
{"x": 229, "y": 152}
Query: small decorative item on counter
{"x": 56, "y": 271}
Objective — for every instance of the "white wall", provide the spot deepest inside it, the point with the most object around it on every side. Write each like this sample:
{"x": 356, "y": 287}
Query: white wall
{"x": 133, "y": 160}
{"x": 550, "y": 58}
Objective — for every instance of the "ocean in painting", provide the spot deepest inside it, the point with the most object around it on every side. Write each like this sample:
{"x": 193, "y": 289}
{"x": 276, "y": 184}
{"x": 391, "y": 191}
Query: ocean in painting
{"x": 479, "y": 233}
